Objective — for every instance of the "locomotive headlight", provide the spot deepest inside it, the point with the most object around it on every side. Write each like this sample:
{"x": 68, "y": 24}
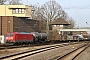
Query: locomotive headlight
{"x": 6, "y": 37}
{"x": 11, "y": 38}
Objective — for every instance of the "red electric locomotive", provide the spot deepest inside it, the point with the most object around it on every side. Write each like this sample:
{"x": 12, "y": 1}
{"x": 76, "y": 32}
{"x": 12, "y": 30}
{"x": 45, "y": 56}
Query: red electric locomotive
{"x": 19, "y": 37}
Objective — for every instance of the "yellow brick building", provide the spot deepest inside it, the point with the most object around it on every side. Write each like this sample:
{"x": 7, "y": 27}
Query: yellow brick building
{"x": 16, "y": 10}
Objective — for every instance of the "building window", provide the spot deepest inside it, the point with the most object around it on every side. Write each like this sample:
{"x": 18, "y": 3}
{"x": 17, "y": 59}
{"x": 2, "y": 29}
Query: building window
{"x": 22, "y": 10}
{"x": 18, "y": 11}
{"x": 58, "y": 25}
{"x": 14, "y": 11}
{"x": 54, "y": 25}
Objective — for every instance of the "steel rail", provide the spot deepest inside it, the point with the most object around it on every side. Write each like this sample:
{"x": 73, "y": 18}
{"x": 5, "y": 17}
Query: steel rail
{"x": 61, "y": 58}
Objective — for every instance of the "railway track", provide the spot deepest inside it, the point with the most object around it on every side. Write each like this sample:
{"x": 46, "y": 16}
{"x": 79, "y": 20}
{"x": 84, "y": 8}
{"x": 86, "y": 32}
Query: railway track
{"x": 22, "y": 46}
{"x": 73, "y": 54}
{"x": 8, "y": 46}
{"x": 31, "y": 52}
{"x": 28, "y": 53}
{"x": 13, "y": 47}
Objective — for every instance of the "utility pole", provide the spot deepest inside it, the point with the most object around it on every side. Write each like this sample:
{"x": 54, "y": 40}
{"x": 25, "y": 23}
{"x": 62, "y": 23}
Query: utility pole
{"x": 78, "y": 25}
{"x": 47, "y": 28}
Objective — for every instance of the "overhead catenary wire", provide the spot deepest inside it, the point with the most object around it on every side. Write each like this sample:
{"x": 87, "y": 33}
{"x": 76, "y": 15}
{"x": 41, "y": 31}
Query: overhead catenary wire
{"x": 76, "y": 11}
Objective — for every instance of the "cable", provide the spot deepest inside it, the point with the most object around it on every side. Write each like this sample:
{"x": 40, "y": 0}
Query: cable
{"x": 76, "y": 11}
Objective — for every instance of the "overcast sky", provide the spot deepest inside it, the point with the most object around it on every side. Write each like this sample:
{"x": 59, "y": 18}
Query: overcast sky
{"x": 79, "y": 10}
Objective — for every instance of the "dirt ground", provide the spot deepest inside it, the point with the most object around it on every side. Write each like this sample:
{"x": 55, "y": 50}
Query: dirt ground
{"x": 84, "y": 55}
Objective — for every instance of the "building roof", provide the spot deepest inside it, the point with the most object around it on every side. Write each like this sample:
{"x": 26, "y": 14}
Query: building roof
{"x": 59, "y": 21}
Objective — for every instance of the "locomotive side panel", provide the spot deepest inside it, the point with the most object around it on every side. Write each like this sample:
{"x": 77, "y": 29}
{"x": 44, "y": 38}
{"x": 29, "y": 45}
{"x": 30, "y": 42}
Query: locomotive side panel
{"x": 24, "y": 37}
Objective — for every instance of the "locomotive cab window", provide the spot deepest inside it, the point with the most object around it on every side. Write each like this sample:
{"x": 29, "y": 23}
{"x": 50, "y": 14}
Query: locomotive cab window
{"x": 9, "y": 34}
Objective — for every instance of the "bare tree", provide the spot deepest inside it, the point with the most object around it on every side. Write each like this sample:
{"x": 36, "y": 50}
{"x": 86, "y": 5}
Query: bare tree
{"x": 15, "y": 2}
{"x": 49, "y": 11}
{"x": 2, "y": 2}
{"x": 36, "y": 9}
{"x": 36, "y": 12}
{"x": 71, "y": 22}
